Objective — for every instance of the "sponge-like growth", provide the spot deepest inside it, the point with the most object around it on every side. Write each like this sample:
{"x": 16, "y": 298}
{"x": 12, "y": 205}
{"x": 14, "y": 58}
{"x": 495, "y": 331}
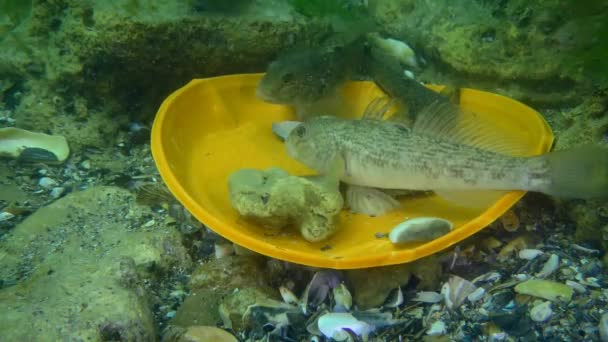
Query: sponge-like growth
{"x": 275, "y": 199}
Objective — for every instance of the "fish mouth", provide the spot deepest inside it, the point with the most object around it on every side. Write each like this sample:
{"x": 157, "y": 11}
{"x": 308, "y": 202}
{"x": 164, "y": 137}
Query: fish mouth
{"x": 283, "y": 128}
{"x": 262, "y": 95}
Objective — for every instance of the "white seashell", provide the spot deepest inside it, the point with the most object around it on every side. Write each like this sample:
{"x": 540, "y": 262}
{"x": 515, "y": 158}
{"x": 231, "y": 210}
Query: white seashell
{"x": 541, "y": 312}
{"x": 487, "y": 277}
{"x": 576, "y": 286}
{"x": 288, "y": 296}
{"x": 342, "y": 298}
{"x": 42, "y": 147}
{"x": 420, "y": 229}
{"x": 437, "y": 328}
{"x": 394, "y": 299}
{"x": 409, "y": 74}
{"x": 428, "y": 297}
{"x": 550, "y": 266}
{"x": 332, "y": 325}
{"x": 529, "y": 254}
{"x": 5, "y": 216}
{"x": 456, "y": 290}
{"x": 521, "y": 276}
{"x": 476, "y": 295}
{"x": 398, "y": 49}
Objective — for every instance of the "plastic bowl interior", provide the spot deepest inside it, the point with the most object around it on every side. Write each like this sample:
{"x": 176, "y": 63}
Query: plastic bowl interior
{"x": 211, "y": 127}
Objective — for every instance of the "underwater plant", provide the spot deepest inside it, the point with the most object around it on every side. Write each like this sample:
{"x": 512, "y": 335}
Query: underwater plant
{"x": 13, "y": 13}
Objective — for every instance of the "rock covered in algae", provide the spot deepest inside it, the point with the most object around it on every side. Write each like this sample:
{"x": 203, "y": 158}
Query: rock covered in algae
{"x": 78, "y": 268}
{"x": 275, "y": 199}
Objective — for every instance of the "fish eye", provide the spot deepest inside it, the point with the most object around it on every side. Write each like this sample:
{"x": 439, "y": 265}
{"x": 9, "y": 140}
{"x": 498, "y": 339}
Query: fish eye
{"x": 300, "y": 131}
{"x": 288, "y": 77}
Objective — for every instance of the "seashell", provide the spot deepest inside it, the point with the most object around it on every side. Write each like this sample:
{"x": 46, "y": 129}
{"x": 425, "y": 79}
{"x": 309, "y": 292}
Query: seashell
{"x": 541, "y": 312}
{"x": 510, "y": 221}
{"x": 5, "y": 216}
{"x": 334, "y": 324}
{"x": 396, "y": 48}
{"x": 456, "y": 290}
{"x": 529, "y": 254}
{"x": 437, "y": 328}
{"x": 342, "y": 298}
{"x": 420, "y": 229}
{"x": 549, "y": 290}
{"x": 288, "y": 296}
{"x": 550, "y": 266}
{"x": 576, "y": 286}
{"x": 476, "y": 295}
{"x": 428, "y": 297}
{"x": 487, "y": 277}
{"x": 33, "y": 147}
{"x": 394, "y": 299}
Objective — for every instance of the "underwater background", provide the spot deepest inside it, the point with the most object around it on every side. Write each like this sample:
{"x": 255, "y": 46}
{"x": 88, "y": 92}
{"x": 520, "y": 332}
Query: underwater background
{"x": 93, "y": 247}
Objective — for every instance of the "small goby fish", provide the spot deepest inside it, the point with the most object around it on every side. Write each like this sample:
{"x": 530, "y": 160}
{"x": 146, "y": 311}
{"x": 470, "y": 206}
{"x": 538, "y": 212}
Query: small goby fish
{"x": 311, "y": 79}
{"x": 449, "y": 153}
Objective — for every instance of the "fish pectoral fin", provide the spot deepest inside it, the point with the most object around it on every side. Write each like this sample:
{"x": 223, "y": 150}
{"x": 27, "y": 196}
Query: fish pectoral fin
{"x": 471, "y": 198}
{"x": 369, "y": 201}
{"x": 376, "y": 109}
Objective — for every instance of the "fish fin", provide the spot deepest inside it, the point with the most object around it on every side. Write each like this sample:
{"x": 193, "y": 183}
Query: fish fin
{"x": 376, "y": 109}
{"x": 447, "y": 121}
{"x": 401, "y": 116}
{"x": 283, "y": 128}
{"x": 581, "y": 172}
{"x": 471, "y": 198}
{"x": 369, "y": 201}
{"x": 452, "y": 93}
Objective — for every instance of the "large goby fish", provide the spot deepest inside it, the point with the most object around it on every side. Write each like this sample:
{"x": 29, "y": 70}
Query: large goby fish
{"x": 450, "y": 153}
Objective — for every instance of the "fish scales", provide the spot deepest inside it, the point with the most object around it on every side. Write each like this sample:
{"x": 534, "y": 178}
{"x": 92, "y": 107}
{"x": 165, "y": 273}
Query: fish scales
{"x": 388, "y": 155}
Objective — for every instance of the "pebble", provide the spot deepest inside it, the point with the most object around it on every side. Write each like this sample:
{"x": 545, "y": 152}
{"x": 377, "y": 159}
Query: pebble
{"x": 47, "y": 182}
{"x": 86, "y": 164}
{"x": 57, "y": 192}
{"x": 541, "y": 312}
{"x": 549, "y": 290}
{"x": 529, "y": 254}
{"x": 332, "y": 325}
{"x": 420, "y": 229}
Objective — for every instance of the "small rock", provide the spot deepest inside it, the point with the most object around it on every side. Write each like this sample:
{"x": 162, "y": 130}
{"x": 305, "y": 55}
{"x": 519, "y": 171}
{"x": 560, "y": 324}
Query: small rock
{"x": 541, "y": 312}
{"x": 47, "y": 182}
{"x": 57, "y": 192}
{"x": 549, "y": 290}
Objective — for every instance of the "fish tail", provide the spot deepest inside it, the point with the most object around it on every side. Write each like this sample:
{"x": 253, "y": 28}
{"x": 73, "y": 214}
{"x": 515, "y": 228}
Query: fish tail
{"x": 581, "y": 172}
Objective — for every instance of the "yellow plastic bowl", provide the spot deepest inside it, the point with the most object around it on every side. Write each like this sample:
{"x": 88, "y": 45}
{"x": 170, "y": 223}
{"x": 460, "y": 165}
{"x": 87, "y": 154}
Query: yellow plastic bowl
{"x": 212, "y": 127}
